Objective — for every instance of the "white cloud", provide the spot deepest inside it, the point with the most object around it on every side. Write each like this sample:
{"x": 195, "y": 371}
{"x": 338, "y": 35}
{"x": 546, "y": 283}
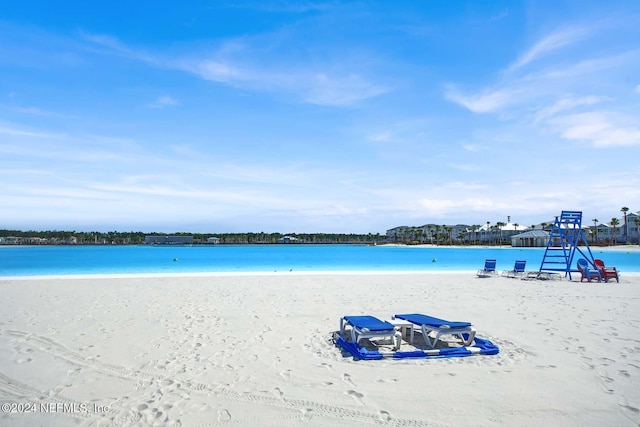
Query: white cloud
{"x": 115, "y": 46}
{"x": 500, "y": 15}
{"x": 384, "y": 136}
{"x": 565, "y": 104}
{"x": 326, "y": 90}
{"x": 485, "y": 102}
{"x": 443, "y": 207}
{"x": 471, "y": 147}
{"x": 469, "y": 186}
{"x": 217, "y": 71}
{"x": 591, "y": 65}
{"x": 163, "y": 101}
{"x": 14, "y": 131}
{"x": 601, "y": 129}
{"x": 237, "y": 65}
{"x": 549, "y": 44}
{"x": 462, "y": 167}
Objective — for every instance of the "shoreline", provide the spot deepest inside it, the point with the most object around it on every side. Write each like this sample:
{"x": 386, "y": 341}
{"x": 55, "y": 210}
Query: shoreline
{"x": 271, "y": 274}
{"x": 237, "y": 274}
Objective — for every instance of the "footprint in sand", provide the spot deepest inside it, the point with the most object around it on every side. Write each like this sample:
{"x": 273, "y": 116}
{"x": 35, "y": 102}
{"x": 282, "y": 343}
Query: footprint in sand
{"x": 307, "y": 413}
{"x": 224, "y": 416}
{"x": 286, "y": 374}
{"x": 622, "y": 401}
{"x": 384, "y": 416}
{"x": 356, "y": 396}
{"x": 347, "y": 378}
{"x": 604, "y": 376}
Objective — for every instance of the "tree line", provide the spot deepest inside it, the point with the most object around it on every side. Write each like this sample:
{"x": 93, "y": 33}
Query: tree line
{"x": 138, "y": 237}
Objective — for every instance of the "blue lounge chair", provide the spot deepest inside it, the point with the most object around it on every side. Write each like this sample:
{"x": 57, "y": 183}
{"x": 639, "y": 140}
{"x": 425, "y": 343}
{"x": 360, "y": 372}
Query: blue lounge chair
{"x": 439, "y": 327}
{"x": 518, "y": 269}
{"x": 370, "y": 327}
{"x": 489, "y": 268}
{"x": 586, "y": 272}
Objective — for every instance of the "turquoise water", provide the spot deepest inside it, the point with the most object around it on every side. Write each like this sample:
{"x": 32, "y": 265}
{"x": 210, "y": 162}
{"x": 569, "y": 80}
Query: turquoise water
{"x": 78, "y": 260}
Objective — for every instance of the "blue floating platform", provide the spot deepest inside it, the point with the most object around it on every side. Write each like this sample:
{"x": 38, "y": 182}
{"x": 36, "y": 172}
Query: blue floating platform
{"x": 481, "y": 347}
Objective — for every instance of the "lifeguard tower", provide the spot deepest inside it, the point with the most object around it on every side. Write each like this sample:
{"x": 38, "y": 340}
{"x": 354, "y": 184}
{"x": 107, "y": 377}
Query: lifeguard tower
{"x": 565, "y": 239}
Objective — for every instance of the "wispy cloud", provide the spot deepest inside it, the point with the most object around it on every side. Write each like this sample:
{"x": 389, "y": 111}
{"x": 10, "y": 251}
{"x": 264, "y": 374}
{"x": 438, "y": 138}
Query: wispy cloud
{"x": 341, "y": 91}
{"x": 35, "y": 111}
{"x": 7, "y": 129}
{"x": 114, "y": 46}
{"x": 601, "y": 129}
{"x": 549, "y": 44}
{"x": 562, "y": 97}
{"x": 440, "y": 208}
{"x": 462, "y": 167}
{"x": 163, "y": 101}
{"x": 383, "y": 136}
{"x": 487, "y": 101}
{"x": 565, "y": 104}
{"x": 500, "y": 15}
{"x": 471, "y": 147}
{"x": 467, "y": 186}
{"x": 238, "y": 64}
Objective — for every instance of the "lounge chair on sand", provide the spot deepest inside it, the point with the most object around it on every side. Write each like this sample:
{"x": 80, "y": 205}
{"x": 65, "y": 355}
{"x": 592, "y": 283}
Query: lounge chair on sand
{"x": 586, "y": 272}
{"x": 518, "y": 269}
{"x": 370, "y": 327}
{"x": 489, "y": 268}
{"x": 606, "y": 272}
{"x": 439, "y": 327}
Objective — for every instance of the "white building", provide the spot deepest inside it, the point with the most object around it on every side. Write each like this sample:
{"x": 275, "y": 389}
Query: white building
{"x": 530, "y": 239}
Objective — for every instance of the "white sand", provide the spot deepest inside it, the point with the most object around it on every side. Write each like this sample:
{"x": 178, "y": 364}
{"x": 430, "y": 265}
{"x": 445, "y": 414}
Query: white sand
{"x": 256, "y": 350}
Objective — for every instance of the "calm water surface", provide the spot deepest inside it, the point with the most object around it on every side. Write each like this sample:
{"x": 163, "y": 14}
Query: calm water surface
{"x": 77, "y": 260}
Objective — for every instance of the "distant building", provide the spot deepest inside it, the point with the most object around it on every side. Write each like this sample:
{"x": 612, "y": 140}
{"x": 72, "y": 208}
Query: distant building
{"x": 287, "y": 239}
{"x": 633, "y": 227}
{"x": 213, "y": 240}
{"x": 530, "y": 239}
{"x": 168, "y": 240}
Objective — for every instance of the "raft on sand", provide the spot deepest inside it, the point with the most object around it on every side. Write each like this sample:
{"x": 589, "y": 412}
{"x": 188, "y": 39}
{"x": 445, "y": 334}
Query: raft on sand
{"x": 369, "y": 338}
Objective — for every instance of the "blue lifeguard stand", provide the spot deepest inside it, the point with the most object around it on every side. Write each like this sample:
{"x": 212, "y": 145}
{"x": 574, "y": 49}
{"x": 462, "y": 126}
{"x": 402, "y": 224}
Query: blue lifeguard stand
{"x": 564, "y": 240}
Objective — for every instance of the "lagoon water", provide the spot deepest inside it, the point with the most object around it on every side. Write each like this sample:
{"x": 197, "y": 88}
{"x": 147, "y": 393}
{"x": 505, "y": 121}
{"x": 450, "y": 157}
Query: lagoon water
{"x": 90, "y": 260}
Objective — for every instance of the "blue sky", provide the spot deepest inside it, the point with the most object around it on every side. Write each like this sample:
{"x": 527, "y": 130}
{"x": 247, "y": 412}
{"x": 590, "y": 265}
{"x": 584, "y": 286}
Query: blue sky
{"x": 295, "y": 116}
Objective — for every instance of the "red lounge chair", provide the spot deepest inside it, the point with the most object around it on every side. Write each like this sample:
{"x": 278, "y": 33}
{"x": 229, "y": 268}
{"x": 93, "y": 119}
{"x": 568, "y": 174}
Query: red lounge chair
{"x": 606, "y": 272}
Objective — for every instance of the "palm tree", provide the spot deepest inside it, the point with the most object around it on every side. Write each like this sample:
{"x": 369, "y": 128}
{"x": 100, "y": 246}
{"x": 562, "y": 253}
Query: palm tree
{"x": 487, "y": 232}
{"x": 499, "y": 226}
{"x": 476, "y": 228}
{"x": 449, "y": 231}
{"x": 624, "y": 210}
{"x": 614, "y": 224}
{"x": 595, "y": 229}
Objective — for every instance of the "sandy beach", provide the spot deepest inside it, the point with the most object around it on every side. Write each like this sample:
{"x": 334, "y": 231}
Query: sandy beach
{"x": 204, "y": 350}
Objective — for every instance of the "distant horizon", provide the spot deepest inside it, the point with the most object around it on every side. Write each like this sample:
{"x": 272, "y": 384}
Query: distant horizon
{"x": 330, "y": 115}
{"x": 586, "y": 222}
